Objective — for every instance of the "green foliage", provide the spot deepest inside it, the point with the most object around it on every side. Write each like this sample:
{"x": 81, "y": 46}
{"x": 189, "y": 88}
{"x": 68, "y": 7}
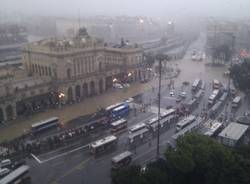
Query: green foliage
{"x": 196, "y": 160}
{"x": 240, "y": 74}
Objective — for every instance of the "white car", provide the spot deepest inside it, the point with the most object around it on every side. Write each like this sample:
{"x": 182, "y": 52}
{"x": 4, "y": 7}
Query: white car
{"x": 171, "y": 93}
{"x": 117, "y": 86}
{"x": 183, "y": 94}
{"x": 126, "y": 85}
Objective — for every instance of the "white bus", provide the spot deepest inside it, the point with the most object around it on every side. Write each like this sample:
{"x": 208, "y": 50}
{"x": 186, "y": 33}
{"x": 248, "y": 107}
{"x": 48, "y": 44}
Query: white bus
{"x": 167, "y": 113}
{"x": 214, "y": 129}
{"x": 139, "y": 135}
{"x": 45, "y": 125}
{"x": 18, "y": 176}
{"x": 213, "y": 97}
{"x": 164, "y": 123}
{"x": 118, "y": 125}
{"x": 103, "y": 144}
{"x": 121, "y": 160}
{"x": 216, "y": 84}
{"x": 136, "y": 127}
{"x": 185, "y": 122}
{"x": 236, "y": 102}
{"x": 196, "y": 84}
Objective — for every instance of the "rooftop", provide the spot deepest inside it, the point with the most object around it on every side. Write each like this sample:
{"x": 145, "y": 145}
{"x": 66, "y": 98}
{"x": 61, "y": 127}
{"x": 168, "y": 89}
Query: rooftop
{"x": 234, "y": 131}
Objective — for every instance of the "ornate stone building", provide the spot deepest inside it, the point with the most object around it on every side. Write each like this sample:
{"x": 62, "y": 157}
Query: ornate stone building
{"x": 67, "y": 71}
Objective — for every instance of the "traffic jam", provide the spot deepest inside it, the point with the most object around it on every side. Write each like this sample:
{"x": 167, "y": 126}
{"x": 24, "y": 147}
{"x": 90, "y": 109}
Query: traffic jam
{"x": 196, "y": 108}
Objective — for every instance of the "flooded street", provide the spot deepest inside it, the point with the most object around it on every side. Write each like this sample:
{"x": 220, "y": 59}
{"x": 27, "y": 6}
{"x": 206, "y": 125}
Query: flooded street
{"x": 189, "y": 71}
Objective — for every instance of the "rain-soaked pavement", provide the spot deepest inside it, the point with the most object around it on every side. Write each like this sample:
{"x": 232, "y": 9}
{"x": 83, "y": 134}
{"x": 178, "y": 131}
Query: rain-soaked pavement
{"x": 80, "y": 166}
{"x": 189, "y": 71}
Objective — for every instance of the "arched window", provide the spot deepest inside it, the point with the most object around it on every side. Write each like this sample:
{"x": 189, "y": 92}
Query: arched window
{"x": 68, "y": 73}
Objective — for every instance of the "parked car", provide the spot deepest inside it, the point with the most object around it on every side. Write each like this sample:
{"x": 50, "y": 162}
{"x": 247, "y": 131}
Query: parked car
{"x": 171, "y": 93}
{"x": 117, "y": 86}
{"x": 183, "y": 94}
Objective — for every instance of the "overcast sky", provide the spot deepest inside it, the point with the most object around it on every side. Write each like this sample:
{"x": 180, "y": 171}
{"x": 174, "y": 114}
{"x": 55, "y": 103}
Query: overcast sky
{"x": 225, "y": 8}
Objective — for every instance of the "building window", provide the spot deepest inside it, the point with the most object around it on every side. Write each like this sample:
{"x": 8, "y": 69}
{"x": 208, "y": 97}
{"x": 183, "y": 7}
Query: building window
{"x": 49, "y": 71}
{"x": 68, "y": 73}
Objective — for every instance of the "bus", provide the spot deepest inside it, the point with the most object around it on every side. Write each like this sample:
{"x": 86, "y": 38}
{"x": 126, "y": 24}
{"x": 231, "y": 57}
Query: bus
{"x": 104, "y": 144}
{"x": 136, "y": 127}
{"x": 214, "y": 129}
{"x": 164, "y": 123}
{"x": 45, "y": 125}
{"x": 189, "y": 128}
{"x": 185, "y": 122}
{"x": 118, "y": 125}
{"x": 167, "y": 113}
{"x": 223, "y": 97}
{"x": 213, "y": 97}
{"x": 121, "y": 160}
{"x": 120, "y": 111}
{"x": 216, "y": 84}
{"x": 111, "y": 107}
{"x": 215, "y": 109}
{"x": 196, "y": 84}
{"x": 139, "y": 135}
{"x": 18, "y": 176}
{"x": 236, "y": 102}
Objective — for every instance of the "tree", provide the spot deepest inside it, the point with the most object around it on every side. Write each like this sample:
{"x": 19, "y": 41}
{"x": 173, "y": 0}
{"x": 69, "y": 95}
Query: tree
{"x": 240, "y": 74}
{"x": 197, "y": 159}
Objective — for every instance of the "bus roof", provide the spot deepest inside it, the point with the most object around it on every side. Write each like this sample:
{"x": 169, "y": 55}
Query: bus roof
{"x": 139, "y": 132}
{"x": 152, "y": 121}
{"x": 237, "y": 99}
{"x": 118, "y": 122}
{"x": 215, "y": 126}
{"x": 211, "y": 97}
{"x": 120, "y": 107}
{"x": 14, "y": 174}
{"x": 195, "y": 124}
{"x": 113, "y": 106}
{"x": 121, "y": 156}
{"x": 103, "y": 141}
{"x": 196, "y": 82}
{"x": 44, "y": 121}
{"x": 186, "y": 120}
{"x": 137, "y": 126}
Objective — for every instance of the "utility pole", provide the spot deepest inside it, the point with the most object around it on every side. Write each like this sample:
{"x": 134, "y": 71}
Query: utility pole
{"x": 159, "y": 112}
{"x": 229, "y": 79}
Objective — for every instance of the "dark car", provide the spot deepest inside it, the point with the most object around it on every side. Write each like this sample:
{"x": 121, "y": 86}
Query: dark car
{"x": 17, "y": 164}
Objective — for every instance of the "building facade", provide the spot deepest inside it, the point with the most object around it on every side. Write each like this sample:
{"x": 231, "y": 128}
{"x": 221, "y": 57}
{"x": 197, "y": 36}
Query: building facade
{"x": 68, "y": 71}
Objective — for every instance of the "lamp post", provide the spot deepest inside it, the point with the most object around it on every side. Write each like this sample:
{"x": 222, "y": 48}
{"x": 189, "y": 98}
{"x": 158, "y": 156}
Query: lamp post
{"x": 159, "y": 111}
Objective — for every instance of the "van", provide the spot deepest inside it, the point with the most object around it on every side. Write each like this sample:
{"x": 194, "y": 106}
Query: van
{"x": 5, "y": 163}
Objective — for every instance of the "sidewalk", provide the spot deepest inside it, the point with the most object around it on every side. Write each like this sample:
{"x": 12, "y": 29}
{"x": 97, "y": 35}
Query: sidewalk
{"x": 18, "y": 127}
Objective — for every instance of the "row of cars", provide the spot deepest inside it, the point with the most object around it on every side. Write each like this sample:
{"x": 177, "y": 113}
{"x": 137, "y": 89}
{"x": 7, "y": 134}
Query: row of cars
{"x": 6, "y": 166}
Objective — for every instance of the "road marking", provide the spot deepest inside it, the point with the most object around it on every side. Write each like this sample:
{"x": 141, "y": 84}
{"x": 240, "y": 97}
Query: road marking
{"x": 59, "y": 155}
{"x": 39, "y": 161}
{"x": 77, "y": 167}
